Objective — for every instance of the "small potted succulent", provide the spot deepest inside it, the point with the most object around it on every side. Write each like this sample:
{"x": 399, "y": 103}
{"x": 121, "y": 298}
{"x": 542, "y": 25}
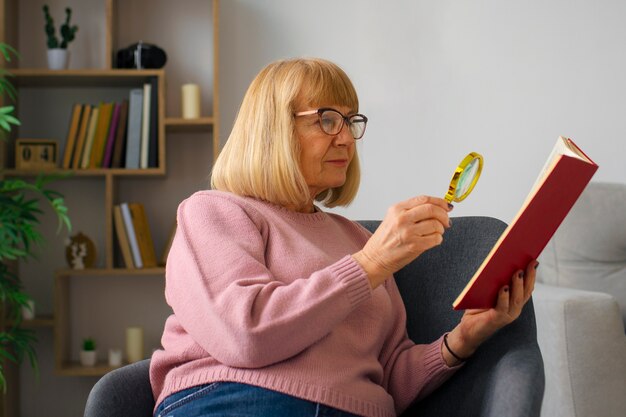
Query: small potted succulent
{"x": 58, "y": 55}
{"x": 88, "y": 354}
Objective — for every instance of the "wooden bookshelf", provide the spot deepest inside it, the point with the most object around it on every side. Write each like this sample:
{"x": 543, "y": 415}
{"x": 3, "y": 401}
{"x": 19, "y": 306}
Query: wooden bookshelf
{"x": 116, "y": 184}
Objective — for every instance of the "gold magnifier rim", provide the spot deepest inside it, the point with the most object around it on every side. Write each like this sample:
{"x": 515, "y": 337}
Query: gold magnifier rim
{"x": 450, "y": 195}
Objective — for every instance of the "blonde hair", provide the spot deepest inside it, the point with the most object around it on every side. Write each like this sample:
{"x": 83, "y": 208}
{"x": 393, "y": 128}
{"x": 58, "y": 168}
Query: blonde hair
{"x": 261, "y": 156}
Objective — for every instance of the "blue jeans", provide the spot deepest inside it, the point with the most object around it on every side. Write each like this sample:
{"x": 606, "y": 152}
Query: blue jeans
{"x": 231, "y": 399}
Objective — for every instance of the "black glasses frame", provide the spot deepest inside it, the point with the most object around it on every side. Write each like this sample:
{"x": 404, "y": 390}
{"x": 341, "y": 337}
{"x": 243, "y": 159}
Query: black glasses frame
{"x": 344, "y": 120}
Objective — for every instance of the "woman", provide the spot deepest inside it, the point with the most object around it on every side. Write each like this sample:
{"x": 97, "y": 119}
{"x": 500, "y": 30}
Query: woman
{"x": 281, "y": 309}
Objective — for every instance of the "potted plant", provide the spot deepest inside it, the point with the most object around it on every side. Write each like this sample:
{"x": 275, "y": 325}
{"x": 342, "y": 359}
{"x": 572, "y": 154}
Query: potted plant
{"x": 88, "y": 354}
{"x": 58, "y": 55}
{"x": 20, "y": 215}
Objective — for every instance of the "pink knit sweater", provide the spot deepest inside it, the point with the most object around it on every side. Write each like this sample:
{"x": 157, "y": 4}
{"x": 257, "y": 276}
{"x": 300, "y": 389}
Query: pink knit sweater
{"x": 270, "y": 297}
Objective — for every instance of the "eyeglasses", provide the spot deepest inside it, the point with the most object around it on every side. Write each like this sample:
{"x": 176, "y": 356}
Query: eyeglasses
{"x": 331, "y": 121}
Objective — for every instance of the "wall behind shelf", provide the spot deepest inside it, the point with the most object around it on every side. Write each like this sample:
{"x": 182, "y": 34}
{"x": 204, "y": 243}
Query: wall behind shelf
{"x": 87, "y": 50}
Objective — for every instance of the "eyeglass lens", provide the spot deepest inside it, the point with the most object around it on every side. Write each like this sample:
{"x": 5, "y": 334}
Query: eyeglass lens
{"x": 331, "y": 122}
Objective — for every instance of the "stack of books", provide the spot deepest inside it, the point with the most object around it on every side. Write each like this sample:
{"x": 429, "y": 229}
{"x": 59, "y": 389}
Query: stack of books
{"x": 133, "y": 235}
{"x": 115, "y": 135}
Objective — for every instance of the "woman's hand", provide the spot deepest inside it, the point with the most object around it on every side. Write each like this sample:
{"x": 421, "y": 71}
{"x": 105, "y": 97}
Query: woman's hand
{"x": 409, "y": 229}
{"x": 476, "y": 326}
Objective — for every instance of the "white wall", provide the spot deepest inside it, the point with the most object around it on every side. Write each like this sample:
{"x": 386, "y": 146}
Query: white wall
{"x": 442, "y": 78}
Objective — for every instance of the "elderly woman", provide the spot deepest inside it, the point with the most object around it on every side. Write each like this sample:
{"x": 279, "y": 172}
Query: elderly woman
{"x": 282, "y": 309}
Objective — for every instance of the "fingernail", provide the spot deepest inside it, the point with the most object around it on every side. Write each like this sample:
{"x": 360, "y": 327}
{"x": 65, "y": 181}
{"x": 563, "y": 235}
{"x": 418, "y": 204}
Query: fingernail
{"x": 520, "y": 275}
{"x": 506, "y": 289}
{"x": 537, "y": 265}
{"x": 450, "y": 206}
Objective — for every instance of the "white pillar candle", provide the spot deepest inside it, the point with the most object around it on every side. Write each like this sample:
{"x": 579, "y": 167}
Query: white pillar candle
{"x": 134, "y": 344}
{"x": 191, "y": 101}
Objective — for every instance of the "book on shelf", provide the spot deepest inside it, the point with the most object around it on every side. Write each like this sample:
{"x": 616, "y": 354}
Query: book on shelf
{"x": 91, "y": 131}
{"x": 72, "y": 133}
{"x": 101, "y": 135}
{"x": 82, "y": 133}
{"x": 144, "y": 237}
{"x": 120, "y": 138}
{"x": 112, "y": 134}
{"x": 122, "y": 237}
{"x": 145, "y": 126}
{"x": 563, "y": 178}
{"x": 130, "y": 234}
{"x": 133, "y": 135}
{"x": 153, "y": 137}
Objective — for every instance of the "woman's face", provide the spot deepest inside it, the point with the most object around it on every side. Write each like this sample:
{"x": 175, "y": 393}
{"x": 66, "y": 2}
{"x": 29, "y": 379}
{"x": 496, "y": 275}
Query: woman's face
{"x": 324, "y": 158}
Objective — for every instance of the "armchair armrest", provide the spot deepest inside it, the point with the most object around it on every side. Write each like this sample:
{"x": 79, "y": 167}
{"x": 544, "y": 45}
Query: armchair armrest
{"x": 581, "y": 337}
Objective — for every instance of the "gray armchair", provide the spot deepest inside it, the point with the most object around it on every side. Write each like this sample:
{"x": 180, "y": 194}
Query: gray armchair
{"x": 505, "y": 377}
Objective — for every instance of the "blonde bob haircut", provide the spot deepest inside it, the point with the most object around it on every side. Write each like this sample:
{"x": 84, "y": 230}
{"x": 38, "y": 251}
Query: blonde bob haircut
{"x": 261, "y": 156}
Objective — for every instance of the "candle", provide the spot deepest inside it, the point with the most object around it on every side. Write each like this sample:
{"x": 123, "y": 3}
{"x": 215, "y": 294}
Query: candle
{"x": 191, "y": 101}
{"x": 134, "y": 344}
{"x": 115, "y": 358}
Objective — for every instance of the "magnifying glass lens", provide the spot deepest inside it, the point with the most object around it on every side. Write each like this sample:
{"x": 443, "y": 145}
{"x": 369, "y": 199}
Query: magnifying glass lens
{"x": 465, "y": 177}
{"x": 466, "y": 180}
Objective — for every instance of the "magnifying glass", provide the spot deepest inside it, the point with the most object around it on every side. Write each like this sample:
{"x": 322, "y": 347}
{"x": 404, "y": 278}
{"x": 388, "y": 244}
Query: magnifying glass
{"x": 465, "y": 178}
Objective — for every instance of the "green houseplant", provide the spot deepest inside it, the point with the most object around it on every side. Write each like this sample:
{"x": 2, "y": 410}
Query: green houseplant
{"x": 20, "y": 216}
{"x": 58, "y": 55}
{"x": 88, "y": 353}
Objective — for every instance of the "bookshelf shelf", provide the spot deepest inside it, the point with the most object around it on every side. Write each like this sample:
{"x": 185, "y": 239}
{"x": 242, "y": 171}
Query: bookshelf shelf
{"x": 76, "y": 369}
{"x": 26, "y": 77}
{"x": 87, "y": 172}
{"x": 180, "y": 125}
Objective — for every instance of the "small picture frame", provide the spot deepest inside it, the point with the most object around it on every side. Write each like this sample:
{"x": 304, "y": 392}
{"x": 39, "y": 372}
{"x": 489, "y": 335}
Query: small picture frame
{"x": 36, "y": 154}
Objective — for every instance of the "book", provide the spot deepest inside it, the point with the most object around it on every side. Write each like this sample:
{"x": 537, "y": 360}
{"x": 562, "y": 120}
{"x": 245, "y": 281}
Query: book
{"x": 144, "y": 237}
{"x": 82, "y": 134}
{"x": 563, "y": 178}
{"x": 153, "y": 137}
{"x": 101, "y": 135}
{"x": 120, "y": 139}
{"x": 133, "y": 135}
{"x": 112, "y": 134}
{"x": 145, "y": 126}
{"x": 122, "y": 237}
{"x": 72, "y": 133}
{"x": 91, "y": 131}
{"x": 130, "y": 234}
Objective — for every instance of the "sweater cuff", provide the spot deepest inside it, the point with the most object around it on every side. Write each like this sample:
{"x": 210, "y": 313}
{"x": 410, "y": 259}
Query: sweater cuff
{"x": 354, "y": 278}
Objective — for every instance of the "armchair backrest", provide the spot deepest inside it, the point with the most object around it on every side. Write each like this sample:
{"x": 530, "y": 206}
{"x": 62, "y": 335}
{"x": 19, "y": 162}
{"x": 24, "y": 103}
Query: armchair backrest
{"x": 505, "y": 376}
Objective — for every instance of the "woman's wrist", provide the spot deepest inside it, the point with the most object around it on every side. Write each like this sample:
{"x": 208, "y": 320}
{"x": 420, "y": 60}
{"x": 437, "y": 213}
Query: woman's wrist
{"x": 455, "y": 349}
{"x": 375, "y": 274}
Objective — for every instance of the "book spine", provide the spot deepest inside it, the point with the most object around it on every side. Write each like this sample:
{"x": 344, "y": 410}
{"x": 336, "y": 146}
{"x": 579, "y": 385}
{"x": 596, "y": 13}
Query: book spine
{"x": 70, "y": 142}
{"x": 144, "y": 237}
{"x": 153, "y": 146}
{"x": 82, "y": 133}
{"x": 122, "y": 237}
{"x": 120, "y": 139}
{"x": 108, "y": 151}
{"x": 93, "y": 121}
{"x": 145, "y": 126}
{"x": 132, "y": 237}
{"x": 133, "y": 138}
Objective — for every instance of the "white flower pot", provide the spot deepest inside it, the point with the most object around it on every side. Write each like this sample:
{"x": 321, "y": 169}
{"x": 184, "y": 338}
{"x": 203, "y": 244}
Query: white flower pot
{"x": 88, "y": 357}
{"x": 58, "y": 58}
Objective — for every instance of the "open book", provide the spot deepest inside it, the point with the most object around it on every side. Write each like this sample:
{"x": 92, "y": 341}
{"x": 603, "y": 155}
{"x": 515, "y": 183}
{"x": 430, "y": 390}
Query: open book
{"x": 563, "y": 178}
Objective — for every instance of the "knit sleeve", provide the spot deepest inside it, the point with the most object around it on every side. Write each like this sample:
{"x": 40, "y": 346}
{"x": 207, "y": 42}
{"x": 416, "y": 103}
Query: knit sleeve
{"x": 411, "y": 371}
{"x": 229, "y": 303}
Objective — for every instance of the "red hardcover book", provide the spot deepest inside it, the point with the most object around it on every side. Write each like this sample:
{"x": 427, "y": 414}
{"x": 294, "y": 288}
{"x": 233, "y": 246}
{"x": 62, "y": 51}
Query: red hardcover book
{"x": 564, "y": 177}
